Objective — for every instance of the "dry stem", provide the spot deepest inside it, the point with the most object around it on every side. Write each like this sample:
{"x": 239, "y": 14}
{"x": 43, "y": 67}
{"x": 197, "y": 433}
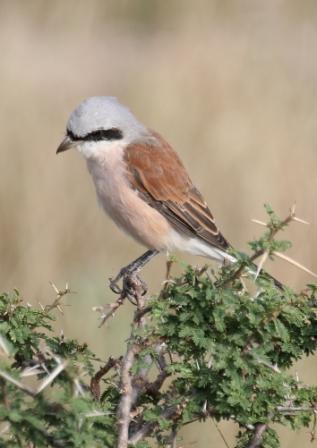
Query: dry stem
{"x": 128, "y": 389}
{"x": 95, "y": 380}
{"x": 256, "y": 440}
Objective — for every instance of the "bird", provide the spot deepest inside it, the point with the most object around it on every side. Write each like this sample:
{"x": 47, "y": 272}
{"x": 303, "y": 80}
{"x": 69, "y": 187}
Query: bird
{"x": 142, "y": 184}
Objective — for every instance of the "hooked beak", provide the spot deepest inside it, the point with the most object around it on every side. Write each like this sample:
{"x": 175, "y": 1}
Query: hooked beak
{"x": 66, "y": 144}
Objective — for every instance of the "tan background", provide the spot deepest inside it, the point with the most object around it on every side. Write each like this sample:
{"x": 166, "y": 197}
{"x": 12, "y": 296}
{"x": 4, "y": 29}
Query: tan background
{"x": 231, "y": 84}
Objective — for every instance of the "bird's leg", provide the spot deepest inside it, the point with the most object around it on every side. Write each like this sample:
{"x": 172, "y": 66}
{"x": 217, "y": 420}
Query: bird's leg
{"x": 132, "y": 268}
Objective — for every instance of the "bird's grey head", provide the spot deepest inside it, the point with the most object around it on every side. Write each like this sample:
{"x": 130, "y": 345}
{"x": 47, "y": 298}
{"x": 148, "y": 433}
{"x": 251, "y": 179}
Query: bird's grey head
{"x": 100, "y": 119}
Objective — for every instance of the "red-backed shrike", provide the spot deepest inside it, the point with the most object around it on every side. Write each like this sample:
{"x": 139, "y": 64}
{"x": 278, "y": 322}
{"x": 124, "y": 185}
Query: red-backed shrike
{"x": 141, "y": 183}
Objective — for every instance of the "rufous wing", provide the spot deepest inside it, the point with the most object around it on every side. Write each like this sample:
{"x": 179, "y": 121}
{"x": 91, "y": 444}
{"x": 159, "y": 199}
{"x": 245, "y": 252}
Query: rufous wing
{"x": 157, "y": 173}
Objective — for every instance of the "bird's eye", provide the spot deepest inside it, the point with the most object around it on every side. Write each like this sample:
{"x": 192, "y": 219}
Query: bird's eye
{"x": 104, "y": 134}
{"x": 71, "y": 135}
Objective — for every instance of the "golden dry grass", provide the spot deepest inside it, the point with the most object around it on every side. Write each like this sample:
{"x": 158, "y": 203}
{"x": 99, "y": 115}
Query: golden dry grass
{"x": 232, "y": 85}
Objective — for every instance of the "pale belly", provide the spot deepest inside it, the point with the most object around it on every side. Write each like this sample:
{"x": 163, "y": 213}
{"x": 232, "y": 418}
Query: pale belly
{"x": 126, "y": 208}
{"x": 133, "y": 215}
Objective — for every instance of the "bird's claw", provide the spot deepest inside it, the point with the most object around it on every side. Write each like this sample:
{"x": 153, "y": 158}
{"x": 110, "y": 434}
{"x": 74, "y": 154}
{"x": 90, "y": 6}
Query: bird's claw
{"x": 113, "y": 282}
{"x": 113, "y": 285}
{"x": 131, "y": 284}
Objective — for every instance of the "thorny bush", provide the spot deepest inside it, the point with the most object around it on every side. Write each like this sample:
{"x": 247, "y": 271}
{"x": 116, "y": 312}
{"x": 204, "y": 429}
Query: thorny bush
{"x": 208, "y": 346}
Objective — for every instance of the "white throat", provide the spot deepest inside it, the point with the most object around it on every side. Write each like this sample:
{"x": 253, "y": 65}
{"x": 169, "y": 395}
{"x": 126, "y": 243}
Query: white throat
{"x": 99, "y": 149}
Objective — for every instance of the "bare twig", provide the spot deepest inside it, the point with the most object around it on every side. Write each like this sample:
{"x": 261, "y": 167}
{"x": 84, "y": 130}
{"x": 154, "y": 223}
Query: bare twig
{"x": 60, "y": 293}
{"x": 313, "y": 431}
{"x": 125, "y": 404}
{"x": 129, "y": 390}
{"x": 112, "y": 308}
{"x": 141, "y": 312}
{"x": 95, "y": 380}
{"x": 154, "y": 387}
{"x": 168, "y": 279}
{"x": 169, "y": 263}
{"x": 172, "y": 413}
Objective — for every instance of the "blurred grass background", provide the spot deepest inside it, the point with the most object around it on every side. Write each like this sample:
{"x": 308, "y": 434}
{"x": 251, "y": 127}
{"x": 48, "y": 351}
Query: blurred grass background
{"x": 232, "y": 85}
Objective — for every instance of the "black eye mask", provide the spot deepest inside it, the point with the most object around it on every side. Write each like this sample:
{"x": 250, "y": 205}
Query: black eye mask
{"x": 100, "y": 134}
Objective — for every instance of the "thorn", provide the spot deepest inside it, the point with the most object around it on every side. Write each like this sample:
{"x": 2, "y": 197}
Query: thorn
{"x": 292, "y": 210}
{"x": 302, "y": 221}
{"x": 261, "y": 263}
{"x": 31, "y": 371}
{"x": 62, "y": 292}
{"x": 295, "y": 263}
{"x": 60, "y": 309}
{"x": 49, "y": 378}
{"x": 54, "y": 287}
{"x": 79, "y": 391}
{"x": 273, "y": 367}
{"x": 17, "y": 383}
{"x": 261, "y": 223}
{"x": 96, "y": 414}
{"x": 4, "y": 345}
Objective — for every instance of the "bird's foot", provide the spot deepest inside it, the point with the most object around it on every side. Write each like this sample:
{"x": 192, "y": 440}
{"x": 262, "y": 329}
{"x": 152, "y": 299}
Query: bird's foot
{"x": 132, "y": 284}
{"x": 133, "y": 287}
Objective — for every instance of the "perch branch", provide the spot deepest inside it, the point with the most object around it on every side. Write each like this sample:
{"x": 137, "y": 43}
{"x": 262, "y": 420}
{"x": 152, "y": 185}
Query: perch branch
{"x": 129, "y": 389}
{"x": 256, "y": 440}
{"x": 124, "y": 412}
{"x": 172, "y": 413}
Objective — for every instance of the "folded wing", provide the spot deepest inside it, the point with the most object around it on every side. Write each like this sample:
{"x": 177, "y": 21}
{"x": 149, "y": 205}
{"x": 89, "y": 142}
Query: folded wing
{"x": 157, "y": 173}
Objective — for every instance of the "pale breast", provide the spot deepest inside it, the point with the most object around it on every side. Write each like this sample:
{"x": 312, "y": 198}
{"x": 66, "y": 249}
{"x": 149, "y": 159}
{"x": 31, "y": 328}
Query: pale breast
{"x": 131, "y": 213}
